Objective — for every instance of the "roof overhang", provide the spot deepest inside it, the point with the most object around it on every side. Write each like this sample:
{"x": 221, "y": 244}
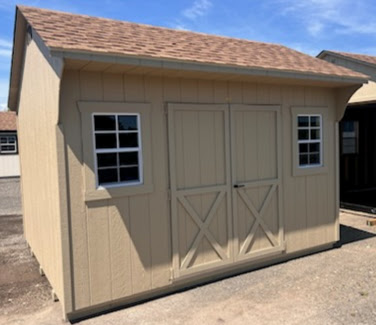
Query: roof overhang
{"x": 19, "y": 35}
{"x": 185, "y": 66}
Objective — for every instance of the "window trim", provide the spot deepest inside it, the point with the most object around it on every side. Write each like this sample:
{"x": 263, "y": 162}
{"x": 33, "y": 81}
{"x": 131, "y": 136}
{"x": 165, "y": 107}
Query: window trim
{"x": 298, "y": 170}
{"x": 309, "y": 128}
{"x": 91, "y": 191}
{"x": 119, "y": 150}
{"x": 15, "y": 144}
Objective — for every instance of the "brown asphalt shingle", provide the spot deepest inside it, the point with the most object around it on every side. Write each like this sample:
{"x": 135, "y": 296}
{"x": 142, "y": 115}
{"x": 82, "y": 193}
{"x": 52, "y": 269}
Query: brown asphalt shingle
{"x": 8, "y": 121}
{"x": 77, "y": 33}
{"x": 360, "y": 57}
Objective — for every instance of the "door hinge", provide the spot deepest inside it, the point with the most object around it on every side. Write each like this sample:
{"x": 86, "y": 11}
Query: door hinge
{"x": 169, "y": 195}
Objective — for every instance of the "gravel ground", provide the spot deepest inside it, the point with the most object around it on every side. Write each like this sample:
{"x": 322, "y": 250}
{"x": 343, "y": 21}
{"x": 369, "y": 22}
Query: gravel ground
{"x": 22, "y": 289}
{"x": 333, "y": 287}
{"x": 10, "y": 199}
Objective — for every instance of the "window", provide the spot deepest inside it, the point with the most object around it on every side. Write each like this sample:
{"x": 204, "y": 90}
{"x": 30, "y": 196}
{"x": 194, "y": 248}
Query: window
{"x": 8, "y": 144}
{"x": 350, "y": 135}
{"x": 118, "y": 154}
{"x": 312, "y": 130}
{"x": 116, "y": 145}
{"x": 309, "y": 128}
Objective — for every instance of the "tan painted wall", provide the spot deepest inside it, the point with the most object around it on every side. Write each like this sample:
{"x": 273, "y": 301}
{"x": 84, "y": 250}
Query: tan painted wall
{"x": 368, "y": 91}
{"x": 122, "y": 246}
{"x": 9, "y": 165}
{"x": 37, "y": 118}
{"x": 365, "y": 94}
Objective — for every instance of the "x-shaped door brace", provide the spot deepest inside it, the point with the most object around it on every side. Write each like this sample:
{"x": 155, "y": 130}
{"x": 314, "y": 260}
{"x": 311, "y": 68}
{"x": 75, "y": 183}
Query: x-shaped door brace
{"x": 203, "y": 228}
{"x": 258, "y": 220}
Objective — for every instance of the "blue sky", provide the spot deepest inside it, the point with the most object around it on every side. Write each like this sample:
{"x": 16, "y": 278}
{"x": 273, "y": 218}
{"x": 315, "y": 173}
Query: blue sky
{"x": 308, "y": 26}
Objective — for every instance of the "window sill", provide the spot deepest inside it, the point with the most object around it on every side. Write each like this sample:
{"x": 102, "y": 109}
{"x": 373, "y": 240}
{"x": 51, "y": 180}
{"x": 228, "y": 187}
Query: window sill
{"x": 115, "y": 192}
{"x": 307, "y": 171}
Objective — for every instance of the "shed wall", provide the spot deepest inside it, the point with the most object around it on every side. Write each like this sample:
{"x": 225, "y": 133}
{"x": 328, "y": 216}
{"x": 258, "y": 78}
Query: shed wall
{"x": 37, "y": 118}
{"x": 9, "y": 166}
{"x": 122, "y": 246}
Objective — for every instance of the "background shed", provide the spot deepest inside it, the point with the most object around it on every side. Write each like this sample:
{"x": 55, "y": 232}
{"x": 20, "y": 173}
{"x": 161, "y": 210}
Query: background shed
{"x": 158, "y": 159}
{"x": 9, "y": 160}
{"x": 358, "y": 135}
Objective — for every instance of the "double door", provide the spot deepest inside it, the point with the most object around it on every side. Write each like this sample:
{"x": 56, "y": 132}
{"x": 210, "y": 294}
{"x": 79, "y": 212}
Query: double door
{"x": 225, "y": 183}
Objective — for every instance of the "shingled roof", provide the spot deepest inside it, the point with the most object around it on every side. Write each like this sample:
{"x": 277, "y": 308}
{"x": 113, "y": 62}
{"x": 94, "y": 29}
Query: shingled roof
{"x": 357, "y": 57}
{"x": 80, "y": 33}
{"x": 8, "y": 121}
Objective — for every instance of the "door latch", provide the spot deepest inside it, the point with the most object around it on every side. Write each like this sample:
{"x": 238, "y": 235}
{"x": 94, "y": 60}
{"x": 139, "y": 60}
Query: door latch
{"x": 238, "y": 185}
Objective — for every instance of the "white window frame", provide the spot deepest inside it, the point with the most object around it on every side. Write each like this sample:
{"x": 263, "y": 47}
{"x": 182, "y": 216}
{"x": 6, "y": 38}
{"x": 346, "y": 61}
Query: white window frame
{"x": 327, "y": 134}
{"x": 118, "y": 149}
{"x": 310, "y": 141}
{"x": 8, "y": 144}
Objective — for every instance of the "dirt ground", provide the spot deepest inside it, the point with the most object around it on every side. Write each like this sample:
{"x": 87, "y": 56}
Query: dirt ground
{"x": 22, "y": 289}
{"x": 333, "y": 287}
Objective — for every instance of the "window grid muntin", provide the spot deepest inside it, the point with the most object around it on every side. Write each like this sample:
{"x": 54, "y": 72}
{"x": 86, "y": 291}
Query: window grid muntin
{"x": 309, "y": 141}
{"x": 10, "y": 141}
{"x": 118, "y": 150}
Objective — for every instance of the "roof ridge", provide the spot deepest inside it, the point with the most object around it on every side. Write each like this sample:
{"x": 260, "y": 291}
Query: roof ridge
{"x": 352, "y": 53}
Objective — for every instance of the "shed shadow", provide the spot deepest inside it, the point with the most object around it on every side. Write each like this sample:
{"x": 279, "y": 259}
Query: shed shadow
{"x": 350, "y": 235}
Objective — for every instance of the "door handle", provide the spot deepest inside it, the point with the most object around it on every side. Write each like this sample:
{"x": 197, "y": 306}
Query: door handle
{"x": 238, "y": 185}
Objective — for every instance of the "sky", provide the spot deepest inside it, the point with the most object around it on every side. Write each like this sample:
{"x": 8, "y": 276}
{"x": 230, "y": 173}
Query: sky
{"x": 308, "y": 26}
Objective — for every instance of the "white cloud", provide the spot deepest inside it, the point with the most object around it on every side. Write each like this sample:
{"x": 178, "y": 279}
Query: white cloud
{"x": 304, "y": 48}
{"x": 315, "y": 28}
{"x": 4, "y": 87}
{"x": 5, "y": 43}
{"x": 198, "y": 8}
{"x": 6, "y": 53}
{"x": 180, "y": 27}
{"x": 5, "y": 48}
{"x": 335, "y": 16}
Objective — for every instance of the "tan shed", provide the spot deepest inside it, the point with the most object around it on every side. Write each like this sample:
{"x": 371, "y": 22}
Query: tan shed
{"x": 154, "y": 159}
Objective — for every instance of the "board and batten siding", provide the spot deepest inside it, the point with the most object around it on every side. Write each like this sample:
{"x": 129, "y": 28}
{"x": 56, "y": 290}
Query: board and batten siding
{"x": 37, "y": 141}
{"x": 121, "y": 246}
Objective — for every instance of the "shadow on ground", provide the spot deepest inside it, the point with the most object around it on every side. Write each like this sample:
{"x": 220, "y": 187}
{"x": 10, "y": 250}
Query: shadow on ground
{"x": 350, "y": 235}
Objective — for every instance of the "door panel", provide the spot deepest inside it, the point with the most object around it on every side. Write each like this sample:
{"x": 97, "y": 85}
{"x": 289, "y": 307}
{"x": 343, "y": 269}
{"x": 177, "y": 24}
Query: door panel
{"x": 200, "y": 187}
{"x": 200, "y": 150}
{"x": 213, "y": 222}
{"x": 254, "y": 137}
{"x": 255, "y": 153}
